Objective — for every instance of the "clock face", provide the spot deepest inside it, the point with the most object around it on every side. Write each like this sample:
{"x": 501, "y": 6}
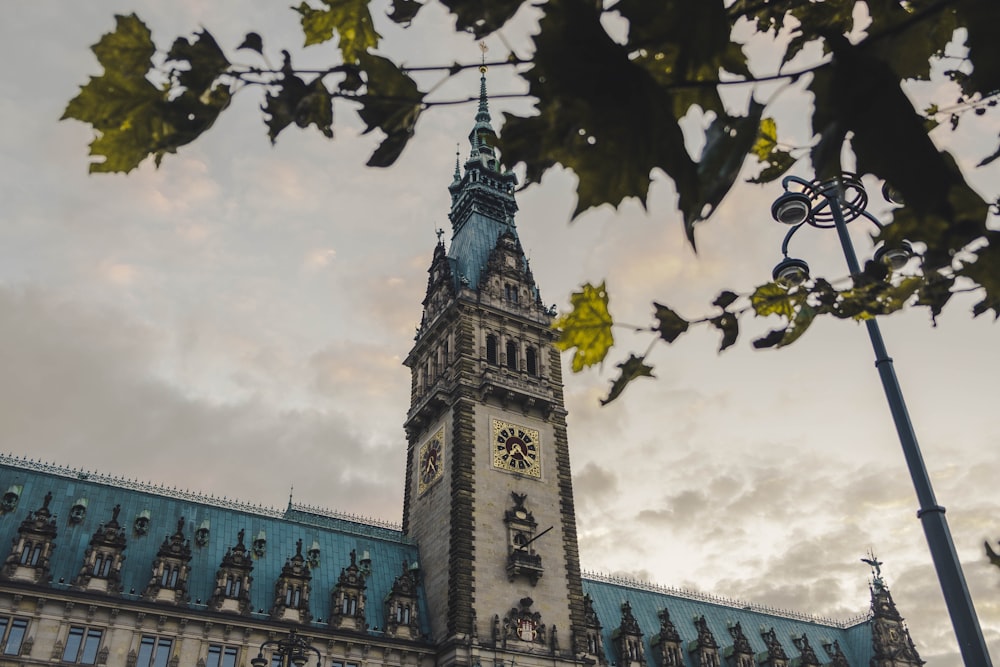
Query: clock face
{"x": 516, "y": 449}
{"x": 430, "y": 461}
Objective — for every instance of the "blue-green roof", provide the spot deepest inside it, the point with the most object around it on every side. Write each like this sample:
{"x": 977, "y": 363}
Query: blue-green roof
{"x": 336, "y": 535}
{"x": 854, "y": 636}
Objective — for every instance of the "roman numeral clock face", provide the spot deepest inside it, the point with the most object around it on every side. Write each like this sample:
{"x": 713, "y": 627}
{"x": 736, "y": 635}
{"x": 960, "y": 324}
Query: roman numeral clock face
{"x": 516, "y": 449}
{"x": 430, "y": 462}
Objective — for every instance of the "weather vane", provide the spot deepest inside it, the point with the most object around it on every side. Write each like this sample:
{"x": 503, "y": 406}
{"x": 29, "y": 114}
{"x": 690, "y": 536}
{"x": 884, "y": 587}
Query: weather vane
{"x": 876, "y": 566}
{"x": 484, "y": 49}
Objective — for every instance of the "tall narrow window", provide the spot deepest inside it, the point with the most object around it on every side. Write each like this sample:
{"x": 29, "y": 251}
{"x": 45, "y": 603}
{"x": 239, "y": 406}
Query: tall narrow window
{"x": 491, "y": 349}
{"x": 512, "y": 355}
{"x": 15, "y": 636}
{"x": 82, "y": 645}
{"x": 153, "y": 652}
{"x": 221, "y": 656}
{"x": 531, "y": 361}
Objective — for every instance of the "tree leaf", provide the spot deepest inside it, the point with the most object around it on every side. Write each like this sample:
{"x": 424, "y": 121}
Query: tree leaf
{"x": 632, "y": 368}
{"x": 767, "y": 139}
{"x": 803, "y": 318}
{"x": 121, "y": 104}
{"x": 587, "y": 327}
{"x": 671, "y": 325}
{"x": 253, "y": 42}
{"x": 482, "y": 18}
{"x": 350, "y": 19}
{"x": 934, "y": 292}
{"x": 404, "y": 11}
{"x": 391, "y": 103}
{"x": 729, "y": 326}
{"x": 584, "y": 128}
{"x": 204, "y": 59}
{"x": 984, "y": 272}
{"x": 772, "y": 299}
{"x": 725, "y": 299}
{"x": 771, "y": 339}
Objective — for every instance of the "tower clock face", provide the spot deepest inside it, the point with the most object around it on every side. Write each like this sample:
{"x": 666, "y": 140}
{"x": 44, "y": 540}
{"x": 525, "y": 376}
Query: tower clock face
{"x": 516, "y": 449}
{"x": 431, "y": 461}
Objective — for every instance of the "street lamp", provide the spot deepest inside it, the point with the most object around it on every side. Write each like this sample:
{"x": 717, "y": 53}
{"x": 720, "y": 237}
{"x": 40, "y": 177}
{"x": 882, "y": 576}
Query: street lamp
{"x": 834, "y": 203}
{"x": 293, "y": 650}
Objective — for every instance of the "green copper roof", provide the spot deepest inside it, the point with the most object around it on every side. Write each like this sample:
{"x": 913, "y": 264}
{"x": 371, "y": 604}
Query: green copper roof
{"x": 482, "y": 201}
{"x": 336, "y": 536}
{"x": 853, "y": 636}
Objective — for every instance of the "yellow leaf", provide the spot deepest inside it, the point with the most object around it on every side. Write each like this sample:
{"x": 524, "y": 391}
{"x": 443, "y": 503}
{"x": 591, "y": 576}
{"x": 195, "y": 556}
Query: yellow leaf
{"x": 767, "y": 139}
{"x": 772, "y": 299}
{"x": 587, "y": 327}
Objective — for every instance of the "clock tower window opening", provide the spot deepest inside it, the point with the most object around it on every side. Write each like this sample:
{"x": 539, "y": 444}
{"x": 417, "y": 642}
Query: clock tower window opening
{"x": 512, "y": 355}
{"x": 491, "y": 349}
{"x": 531, "y": 361}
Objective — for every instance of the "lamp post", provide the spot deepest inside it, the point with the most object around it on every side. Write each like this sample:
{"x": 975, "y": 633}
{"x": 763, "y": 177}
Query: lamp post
{"x": 293, "y": 650}
{"x": 834, "y": 203}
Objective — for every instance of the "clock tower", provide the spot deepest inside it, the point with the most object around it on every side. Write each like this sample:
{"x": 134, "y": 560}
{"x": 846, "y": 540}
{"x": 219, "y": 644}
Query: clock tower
{"x": 489, "y": 498}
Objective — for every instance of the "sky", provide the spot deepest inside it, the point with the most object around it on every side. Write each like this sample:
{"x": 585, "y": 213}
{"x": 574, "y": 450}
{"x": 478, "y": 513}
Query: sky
{"x": 234, "y": 323}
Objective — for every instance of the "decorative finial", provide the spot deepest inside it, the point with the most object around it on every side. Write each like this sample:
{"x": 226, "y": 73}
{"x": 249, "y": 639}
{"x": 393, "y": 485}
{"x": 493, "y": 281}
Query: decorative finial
{"x": 440, "y": 233}
{"x": 876, "y": 566}
{"x": 290, "y": 490}
{"x": 484, "y": 49}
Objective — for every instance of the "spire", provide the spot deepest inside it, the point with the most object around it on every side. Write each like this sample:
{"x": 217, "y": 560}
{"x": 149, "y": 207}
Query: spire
{"x": 892, "y": 645}
{"x": 482, "y": 129}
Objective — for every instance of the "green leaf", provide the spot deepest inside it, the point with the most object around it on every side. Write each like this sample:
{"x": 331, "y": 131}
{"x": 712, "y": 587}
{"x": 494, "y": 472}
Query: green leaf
{"x": 728, "y": 139}
{"x": 391, "y": 103}
{"x": 725, "y": 299}
{"x": 935, "y": 293}
{"x": 594, "y": 106}
{"x": 985, "y": 271}
{"x": 803, "y": 318}
{"x": 482, "y": 18}
{"x": 205, "y": 61}
{"x": 671, "y": 325}
{"x": 350, "y": 19}
{"x": 253, "y": 42}
{"x": 404, "y": 11}
{"x": 121, "y": 104}
{"x": 771, "y": 339}
{"x": 729, "y": 326}
{"x": 766, "y": 149}
{"x": 634, "y": 367}
{"x": 772, "y": 299}
{"x": 587, "y": 327}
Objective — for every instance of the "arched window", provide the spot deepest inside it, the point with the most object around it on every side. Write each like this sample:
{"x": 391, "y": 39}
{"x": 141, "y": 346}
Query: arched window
{"x": 106, "y": 570}
{"x": 531, "y": 361}
{"x": 491, "y": 349}
{"x": 26, "y": 553}
{"x": 288, "y": 596}
{"x": 512, "y": 355}
{"x": 174, "y": 571}
{"x": 165, "y": 577}
{"x": 296, "y": 597}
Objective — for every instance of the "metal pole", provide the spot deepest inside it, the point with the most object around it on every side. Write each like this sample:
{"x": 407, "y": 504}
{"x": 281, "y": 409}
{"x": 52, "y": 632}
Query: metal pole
{"x": 931, "y": 515}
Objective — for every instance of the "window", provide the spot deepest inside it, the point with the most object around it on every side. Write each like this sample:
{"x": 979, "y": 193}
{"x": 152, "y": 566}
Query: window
{"x": 30, "y": 554}
{"x": 510, "y": 291}
{"x": 512, "y": 355}
{"x": 102, "y": 565}
{"x": 169, "y": 578}
{"x": 221, "y": 656}
{"x": 349, "y": 606}
{"x": 233, "y": 586}
{"x": 491, "y": 349}
{"x": 82, "y": 645}
{"x": 12, "y": 631}
{"x": 531, "y": 361}
{"x": 154, "y": 652}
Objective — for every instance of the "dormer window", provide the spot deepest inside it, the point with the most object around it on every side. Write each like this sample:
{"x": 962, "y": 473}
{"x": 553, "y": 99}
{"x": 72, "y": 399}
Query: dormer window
{"x": 510, "y": 291}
